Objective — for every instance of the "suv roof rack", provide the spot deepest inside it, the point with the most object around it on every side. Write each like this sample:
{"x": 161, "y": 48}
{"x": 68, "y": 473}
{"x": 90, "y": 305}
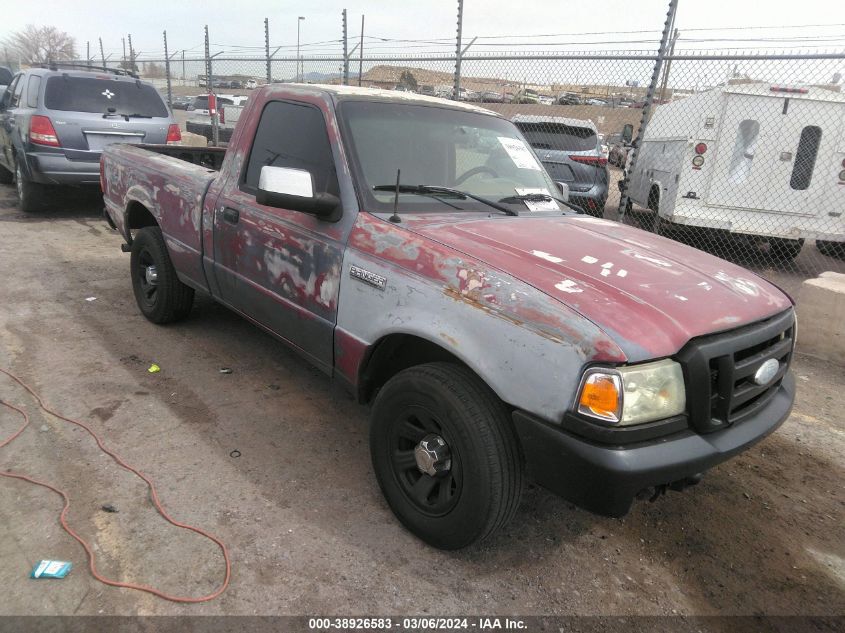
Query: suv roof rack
{"x": 116, "y": 71}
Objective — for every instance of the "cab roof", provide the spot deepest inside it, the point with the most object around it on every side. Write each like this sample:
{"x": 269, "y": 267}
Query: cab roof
{"x": 357, "y": 93}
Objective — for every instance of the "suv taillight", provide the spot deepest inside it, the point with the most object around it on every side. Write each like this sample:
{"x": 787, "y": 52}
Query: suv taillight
{"x": 588, "y": 160}
{"x": 102, "y": 176}
{"x": 223, "y": 114}
{"x": 42, "y": 132}
{"x": 174, "y": 134}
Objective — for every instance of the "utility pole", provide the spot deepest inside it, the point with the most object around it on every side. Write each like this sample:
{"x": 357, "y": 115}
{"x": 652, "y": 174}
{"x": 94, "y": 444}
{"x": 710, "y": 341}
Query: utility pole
{"x": 361, "y": 56}
{"x": 456, "y": 91}
{"x": 345, "y": 52}
{"x": 649, "y": 99}
{"x": 267, "y": 47}
{"x": 298, "y": 60}
{"x": 123, "y": 39}
{"x": 102, "y": 54}
{"x": 88, "y": 53}
{"x": 183, "y": 66}
{"x": 167, "y": 71}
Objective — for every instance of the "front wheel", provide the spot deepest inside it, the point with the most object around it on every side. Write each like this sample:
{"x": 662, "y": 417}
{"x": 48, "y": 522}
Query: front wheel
{"x": 161, "y": 297}
{"x": 445, "y": 455}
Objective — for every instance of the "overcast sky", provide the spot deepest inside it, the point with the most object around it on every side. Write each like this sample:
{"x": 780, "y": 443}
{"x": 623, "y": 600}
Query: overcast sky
{"x": 241, "y": 23}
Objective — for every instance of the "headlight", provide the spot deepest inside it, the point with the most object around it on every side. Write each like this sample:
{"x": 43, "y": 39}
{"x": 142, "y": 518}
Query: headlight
{"x": 633, "y": 395}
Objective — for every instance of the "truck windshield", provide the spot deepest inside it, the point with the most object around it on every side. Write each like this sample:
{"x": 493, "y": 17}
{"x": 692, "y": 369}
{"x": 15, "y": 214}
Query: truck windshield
{"x": 477, "y": 153}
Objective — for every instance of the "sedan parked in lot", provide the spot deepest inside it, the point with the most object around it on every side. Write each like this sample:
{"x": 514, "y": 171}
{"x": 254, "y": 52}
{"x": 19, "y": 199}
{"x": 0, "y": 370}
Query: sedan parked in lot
{"x": 570, "y": 151}
{"x": 181, "y": 103}
{"x": 54, "y": 124}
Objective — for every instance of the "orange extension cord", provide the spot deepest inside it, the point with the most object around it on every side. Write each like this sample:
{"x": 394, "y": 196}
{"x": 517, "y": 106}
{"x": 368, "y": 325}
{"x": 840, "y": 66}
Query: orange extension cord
{"x": 153, "y": 494}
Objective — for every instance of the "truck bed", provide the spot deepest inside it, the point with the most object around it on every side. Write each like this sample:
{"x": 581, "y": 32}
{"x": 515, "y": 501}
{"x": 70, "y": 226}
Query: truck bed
{"x": 169, "y": 183}
{"x": 210, "y": 157}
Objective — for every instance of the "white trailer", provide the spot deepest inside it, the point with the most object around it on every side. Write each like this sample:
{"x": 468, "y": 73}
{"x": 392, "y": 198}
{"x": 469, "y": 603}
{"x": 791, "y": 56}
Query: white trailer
{"x": 757, "y": 159}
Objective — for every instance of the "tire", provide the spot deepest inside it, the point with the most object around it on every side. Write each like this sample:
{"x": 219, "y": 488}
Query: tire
{"x": 31, "y": 195}
{"x": 162, "y": 299}
{"x": 480, "y": 489}
{"x": 6, "y": 177}
{"x": 831, "y": 249}
{"x": 783, "y": 249}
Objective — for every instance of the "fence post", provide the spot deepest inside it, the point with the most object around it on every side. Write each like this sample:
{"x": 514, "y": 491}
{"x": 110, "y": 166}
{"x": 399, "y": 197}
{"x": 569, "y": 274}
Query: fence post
{"x": 167, "y": 71}
{"x": 361, "y": 56}
{"x": 209, "y": 84}
{"x": 267, "y": 48}
{"x": 88, "y": 53}
{"x": 345, "y": 52}
{"x": 456, "y": 91}
{"x": 131, "y": 54}
{"x": 649, "y": 99}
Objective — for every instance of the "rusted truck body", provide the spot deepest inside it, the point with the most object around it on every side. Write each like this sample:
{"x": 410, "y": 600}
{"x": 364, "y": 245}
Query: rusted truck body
{"x": 495, "y": 331}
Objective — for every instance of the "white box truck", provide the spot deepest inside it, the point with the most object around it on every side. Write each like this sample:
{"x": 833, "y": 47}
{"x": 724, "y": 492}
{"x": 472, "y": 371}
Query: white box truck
{"x": 763, "y": 160}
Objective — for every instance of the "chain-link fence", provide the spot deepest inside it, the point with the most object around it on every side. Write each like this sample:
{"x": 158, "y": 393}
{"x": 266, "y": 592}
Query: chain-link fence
{"x": 742, "y": 154}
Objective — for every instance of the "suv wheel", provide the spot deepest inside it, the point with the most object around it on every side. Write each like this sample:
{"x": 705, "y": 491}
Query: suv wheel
{"x": 445, "y": 455}
{"x": 30, "y": 194}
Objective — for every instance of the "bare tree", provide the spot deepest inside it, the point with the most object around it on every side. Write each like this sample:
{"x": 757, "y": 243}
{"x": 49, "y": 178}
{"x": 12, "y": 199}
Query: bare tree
{"x": 41, "y": 44}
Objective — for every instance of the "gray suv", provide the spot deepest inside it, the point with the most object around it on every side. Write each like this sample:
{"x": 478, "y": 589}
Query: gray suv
{"x": 55, "y": 122}
{"x": 570, "y": 150}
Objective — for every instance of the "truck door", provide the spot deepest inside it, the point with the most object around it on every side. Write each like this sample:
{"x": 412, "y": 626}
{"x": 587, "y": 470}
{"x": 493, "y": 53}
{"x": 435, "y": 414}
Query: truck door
{"x": 280, "y": 267}
{"x": 768, "y": 152}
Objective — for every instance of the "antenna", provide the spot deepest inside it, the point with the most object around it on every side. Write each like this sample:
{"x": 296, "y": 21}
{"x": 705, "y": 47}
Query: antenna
{"x": 395, "y": 217}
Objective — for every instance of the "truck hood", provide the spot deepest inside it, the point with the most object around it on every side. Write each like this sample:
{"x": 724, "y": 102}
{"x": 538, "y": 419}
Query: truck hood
{"x": 649, "y": 293}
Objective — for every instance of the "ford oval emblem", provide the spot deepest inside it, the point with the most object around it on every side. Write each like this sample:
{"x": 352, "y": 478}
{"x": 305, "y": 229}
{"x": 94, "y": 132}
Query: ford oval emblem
{"x": 766, "y": 372}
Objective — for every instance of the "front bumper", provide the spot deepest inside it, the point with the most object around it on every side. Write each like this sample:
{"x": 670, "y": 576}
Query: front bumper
{"x": 606, "y": 479}
{"x": 56, "y": 169}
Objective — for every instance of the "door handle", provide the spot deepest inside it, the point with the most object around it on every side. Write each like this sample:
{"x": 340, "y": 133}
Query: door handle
{"x": 231, "y": 215}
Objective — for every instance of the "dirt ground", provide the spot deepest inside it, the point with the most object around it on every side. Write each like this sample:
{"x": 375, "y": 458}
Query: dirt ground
{"x": 298, "y": 505}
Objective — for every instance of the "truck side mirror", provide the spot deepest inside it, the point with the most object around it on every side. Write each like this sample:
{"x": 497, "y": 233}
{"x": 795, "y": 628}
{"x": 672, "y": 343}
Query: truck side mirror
{"x": 290, "y": 188}
{"x": 627, "y": 133}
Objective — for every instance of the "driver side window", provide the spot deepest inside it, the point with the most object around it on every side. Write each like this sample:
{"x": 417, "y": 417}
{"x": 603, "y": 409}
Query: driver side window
{"x": 292, "y": 135}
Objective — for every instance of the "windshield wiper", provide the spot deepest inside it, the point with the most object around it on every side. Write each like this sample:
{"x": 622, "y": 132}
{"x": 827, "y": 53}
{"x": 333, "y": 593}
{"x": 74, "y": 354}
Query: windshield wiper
{"x": 415, "y": 189}
{"x": 134, "y": 116}
{"x": 437, "y": 189}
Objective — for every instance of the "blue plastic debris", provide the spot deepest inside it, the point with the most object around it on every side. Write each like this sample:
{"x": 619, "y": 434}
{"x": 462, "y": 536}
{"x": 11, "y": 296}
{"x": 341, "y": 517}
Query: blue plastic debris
{"x": 51, "y": 569}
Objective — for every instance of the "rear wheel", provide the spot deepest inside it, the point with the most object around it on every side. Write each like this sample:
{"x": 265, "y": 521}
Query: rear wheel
{"x": 31, "y": 195}
{"x": 831, "y": 249}
{"x": 783, "y": 249}
{"x": 161, "y": 297}
{"x": 445, "y": 455}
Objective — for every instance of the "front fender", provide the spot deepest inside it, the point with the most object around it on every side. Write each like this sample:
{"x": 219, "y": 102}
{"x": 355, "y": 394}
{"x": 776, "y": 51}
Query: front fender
{"x": 529, "y": 348}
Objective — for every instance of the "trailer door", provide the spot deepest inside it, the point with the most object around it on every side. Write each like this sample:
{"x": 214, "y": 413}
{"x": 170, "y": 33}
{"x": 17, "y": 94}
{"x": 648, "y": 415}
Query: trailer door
{"x": 806, "y": 142}
{"x": 769, "y": 151}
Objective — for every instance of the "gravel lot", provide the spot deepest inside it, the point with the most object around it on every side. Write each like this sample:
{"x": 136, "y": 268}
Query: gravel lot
{"x": 299, "y": 507}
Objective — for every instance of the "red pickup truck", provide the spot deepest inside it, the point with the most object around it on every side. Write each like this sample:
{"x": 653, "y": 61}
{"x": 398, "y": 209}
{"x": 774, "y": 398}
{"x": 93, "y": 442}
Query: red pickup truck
{"x": 416, "y": 250}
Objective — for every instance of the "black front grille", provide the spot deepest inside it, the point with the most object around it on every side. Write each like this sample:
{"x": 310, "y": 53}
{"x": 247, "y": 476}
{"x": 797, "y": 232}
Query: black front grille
{"x": 719, "y": 371}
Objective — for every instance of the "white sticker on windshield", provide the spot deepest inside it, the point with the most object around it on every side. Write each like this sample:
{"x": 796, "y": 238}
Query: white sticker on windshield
{"x": 521, "y": 156}
{"x": 537, "y": 205}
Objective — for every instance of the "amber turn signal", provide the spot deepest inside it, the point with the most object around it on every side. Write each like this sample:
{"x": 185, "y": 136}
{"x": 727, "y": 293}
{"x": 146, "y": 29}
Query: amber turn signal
{"x": 601, "y": 396}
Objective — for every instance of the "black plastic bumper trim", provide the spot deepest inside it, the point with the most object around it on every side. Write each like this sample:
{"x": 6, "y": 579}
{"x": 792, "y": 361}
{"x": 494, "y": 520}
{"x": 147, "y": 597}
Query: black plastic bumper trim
{"x": 605, "y": 480}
